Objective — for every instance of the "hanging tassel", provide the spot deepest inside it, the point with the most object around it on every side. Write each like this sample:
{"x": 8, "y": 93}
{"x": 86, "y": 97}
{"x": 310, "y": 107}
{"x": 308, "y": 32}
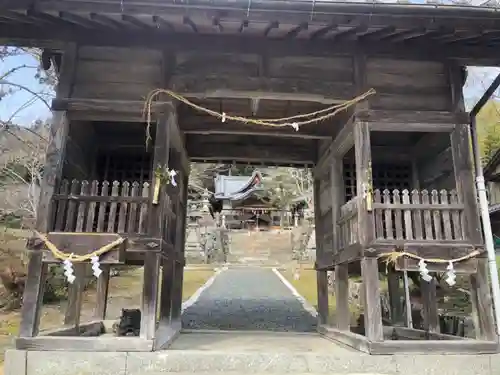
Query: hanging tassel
{"x": 68, "y": 270}
{"x": 450, "y": 275}
{"x": 172, "y": 175}
{"x": 424, "y": 272}
{"x": 96, "y": 266}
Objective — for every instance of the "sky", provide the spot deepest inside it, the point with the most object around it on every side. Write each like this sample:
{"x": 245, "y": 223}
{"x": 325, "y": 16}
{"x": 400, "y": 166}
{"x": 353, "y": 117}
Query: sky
{"x": 479, "y": 78}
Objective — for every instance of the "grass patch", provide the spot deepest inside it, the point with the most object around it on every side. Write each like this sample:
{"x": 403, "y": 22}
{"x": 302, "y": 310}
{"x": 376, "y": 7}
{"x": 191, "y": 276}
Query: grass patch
{"x": 306, "y": 285}
{"x": 193, "y": 280}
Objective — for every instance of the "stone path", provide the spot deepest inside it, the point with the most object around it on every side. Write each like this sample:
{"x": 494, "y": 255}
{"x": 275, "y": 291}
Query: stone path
{"x": 248, "y": 299}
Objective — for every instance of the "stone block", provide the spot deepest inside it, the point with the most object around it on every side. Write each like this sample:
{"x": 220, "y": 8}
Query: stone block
{"x": 75, "y": 363}
{"x": 15, "y": 362}
{"x": 495, "y": 364}
{"x": 443, "y": 364}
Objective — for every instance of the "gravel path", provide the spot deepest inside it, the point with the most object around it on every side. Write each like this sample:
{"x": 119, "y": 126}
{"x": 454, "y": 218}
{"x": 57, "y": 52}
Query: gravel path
{"x": 248, "y": 299}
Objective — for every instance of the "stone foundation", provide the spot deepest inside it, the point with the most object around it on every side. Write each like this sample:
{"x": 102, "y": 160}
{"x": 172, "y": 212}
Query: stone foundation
{"x": 19, "y": 362}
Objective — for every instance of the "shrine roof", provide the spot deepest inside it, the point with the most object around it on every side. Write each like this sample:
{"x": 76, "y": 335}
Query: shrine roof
{"x": 438, "y": 22}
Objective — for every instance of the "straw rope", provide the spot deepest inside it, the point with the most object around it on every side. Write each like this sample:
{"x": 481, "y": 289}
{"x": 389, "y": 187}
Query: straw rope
{"x": 77, "y": 258}
{"x": 310, "y": 118}
{"x": 391, "y": 257}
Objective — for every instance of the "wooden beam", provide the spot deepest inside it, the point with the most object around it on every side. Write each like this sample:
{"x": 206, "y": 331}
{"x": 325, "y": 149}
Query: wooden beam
{"x": 163, "y": 24}
{"x": 345, "y": 34}
{"x": 106, "y": 21}
{"x": 437, "y": 347}
{"x": 297, "y": 30}
{"x": 78, "y": 20}
{"x": 84, "y": 344}
{"x": 188, "y": 21}
{"x": 211, "y": 149}
{"x": 344, "y": 140}
{"x": 436, "y": 119}
{"x": 272, "y": 25}
{"x": 24, "y": 34}
{"x": 196, "y": 85}
{"x": 320, "y": 33}
{"x": 135, "y": 22}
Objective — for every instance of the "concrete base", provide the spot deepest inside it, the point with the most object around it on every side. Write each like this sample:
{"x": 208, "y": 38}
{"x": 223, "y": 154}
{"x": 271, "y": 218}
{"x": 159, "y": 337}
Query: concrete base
{"x": 245, "y": 353}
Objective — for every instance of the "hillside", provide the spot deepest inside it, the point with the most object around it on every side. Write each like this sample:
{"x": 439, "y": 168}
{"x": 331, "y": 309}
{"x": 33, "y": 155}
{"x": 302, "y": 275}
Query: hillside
{"x": 488, "y": 126}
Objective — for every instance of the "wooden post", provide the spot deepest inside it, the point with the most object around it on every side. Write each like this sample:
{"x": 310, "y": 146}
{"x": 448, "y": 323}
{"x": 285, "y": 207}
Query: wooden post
{"x": 102, "y": 293}
{"x": 150, "y": 295}
{"x": 56, "y": 150}
{"x": 395, "y": 294}
{"x": 321, "y": 275}
{"x": 342, "y": 312}
{"x": 156, "y": 222}
{"x": 429, "y": 303}
{"x": 75, "y": 294}
{"x": 462, "y": 162}
{"x": 366, "y": 232}
{"x": 180, "y": 239}
{"x": 371, "y": 298}
{"x": 482, "y": 303}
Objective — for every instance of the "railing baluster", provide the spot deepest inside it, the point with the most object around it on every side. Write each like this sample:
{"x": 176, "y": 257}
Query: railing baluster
{"x": 92, "y": 207}
{"x": 436, "y": 216}
{"x": 112, "y": 208}
{"x": 132, "y": 219}
{"x": 81, "y": 207}
{"x": 122, "y": 218}
{"x": 102, "y": 208}
{"x": 407, "y": 217}
{"x": 445, "y": 214}
{"x": 61, "y": 206}
{"x": 417, "y": 215}
{"x": 71, "y": 217}
{"x": 455, "y": 217}
{"x": 144, "y": 209}
{"x": 389, "y": 231}
{"x": 427, "y": 216}
{"x": 398, "y": 218}
{"x": 379, "y": 222}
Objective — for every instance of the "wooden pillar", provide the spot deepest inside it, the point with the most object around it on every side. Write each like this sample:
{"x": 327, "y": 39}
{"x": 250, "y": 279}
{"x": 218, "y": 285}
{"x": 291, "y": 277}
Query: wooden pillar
{"x": 342, "y": 312}
{"x": 156, "y": 223}
{"x": 102, "y": 293}
{"x": 429, "y": 305}
{"x": 366, "y": 232}
{"x": 180, "y": 239}
{"x": 371, "y": 299}
{"x": 464, "y": 175}
{"x": 54, "y": 161}
{"x": 166, "y": 291}
{"x": 395, "y": 296}
{"x": 75, "y": 294}
{"x": 482, "y": 303}
{"x": 321, "y": 275}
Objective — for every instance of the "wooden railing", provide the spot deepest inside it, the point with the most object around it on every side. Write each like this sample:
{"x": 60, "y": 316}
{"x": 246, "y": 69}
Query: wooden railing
{"x": 418, "y": 215}
{"x": 83, "y": 206}
{"x": 348, "y": 224}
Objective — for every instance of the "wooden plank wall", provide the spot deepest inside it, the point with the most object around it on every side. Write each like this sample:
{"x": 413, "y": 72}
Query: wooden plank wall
{"x": 408, "y": 85}
{"x": 117, "y": 73}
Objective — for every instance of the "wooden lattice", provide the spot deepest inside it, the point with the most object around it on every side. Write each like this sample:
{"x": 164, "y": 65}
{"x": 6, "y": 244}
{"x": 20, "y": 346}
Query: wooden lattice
{"x": 385, "y": 176}
{"x": 120, "y": 166}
